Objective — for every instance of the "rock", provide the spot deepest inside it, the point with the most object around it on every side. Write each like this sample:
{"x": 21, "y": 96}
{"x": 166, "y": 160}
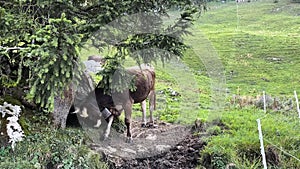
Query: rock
{"x": 179, "y": 147}
{"x": 141, "y": 148}
{"x": 129, "y": 150}
{"x": 162, "y": 147}
{"x": 111, "y": 149}
{"x": 151, "y": 137}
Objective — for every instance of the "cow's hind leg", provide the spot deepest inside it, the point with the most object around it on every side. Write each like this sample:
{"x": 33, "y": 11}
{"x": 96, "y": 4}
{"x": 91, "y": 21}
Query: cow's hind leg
{"x": 144, "y": 117}
{"x": 152, "y": 106}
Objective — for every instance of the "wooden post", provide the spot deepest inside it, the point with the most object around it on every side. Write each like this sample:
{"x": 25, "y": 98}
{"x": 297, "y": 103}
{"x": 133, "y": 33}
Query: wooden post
{"x": 262, "y": 149}
{"x": 264, "y": 97}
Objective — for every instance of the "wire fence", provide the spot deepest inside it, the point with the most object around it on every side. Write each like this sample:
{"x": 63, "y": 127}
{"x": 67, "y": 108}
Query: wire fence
{"x": 262, "y": 139}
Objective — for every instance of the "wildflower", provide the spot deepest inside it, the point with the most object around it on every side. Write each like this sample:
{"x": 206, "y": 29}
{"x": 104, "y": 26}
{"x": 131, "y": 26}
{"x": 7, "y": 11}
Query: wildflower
{"x": 14, "y": 130}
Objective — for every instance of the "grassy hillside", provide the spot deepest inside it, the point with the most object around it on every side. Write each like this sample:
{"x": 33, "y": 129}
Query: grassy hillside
{"x": 237, "y": 52}
{"x": 258, "y": 46}
{"x": 258, "y": 42}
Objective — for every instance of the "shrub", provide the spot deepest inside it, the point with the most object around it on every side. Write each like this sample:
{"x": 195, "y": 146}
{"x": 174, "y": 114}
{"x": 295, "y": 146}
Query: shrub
{"x": 51, "y": 148}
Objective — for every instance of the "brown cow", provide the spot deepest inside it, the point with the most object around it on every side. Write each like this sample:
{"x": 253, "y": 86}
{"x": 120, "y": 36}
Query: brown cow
{"x": 112, "y": 105}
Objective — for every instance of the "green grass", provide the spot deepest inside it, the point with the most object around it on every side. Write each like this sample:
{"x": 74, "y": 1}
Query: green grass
{"x": 239, "y": 141}
{"x": 47, "y": 147}
{"x": 247, "y": 41}
{"x": 247, "y": 38}
{"x": 234, "y": 50}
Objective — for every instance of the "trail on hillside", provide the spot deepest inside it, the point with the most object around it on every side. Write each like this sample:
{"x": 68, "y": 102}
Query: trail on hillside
{"x": 165, "y": 146}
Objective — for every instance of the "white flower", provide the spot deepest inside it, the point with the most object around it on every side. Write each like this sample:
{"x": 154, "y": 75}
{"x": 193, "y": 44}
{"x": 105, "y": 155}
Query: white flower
{"x": 14, "y": 129}
{"x": 10, "y": 109}
{"x": 13, "y": 119}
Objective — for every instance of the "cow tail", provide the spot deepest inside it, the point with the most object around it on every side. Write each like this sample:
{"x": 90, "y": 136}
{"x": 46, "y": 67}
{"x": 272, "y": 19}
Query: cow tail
{"x": 154, "y": 100}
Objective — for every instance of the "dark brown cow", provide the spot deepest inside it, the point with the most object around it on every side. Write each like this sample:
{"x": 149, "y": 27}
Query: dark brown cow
{"x": 144, "y": 78}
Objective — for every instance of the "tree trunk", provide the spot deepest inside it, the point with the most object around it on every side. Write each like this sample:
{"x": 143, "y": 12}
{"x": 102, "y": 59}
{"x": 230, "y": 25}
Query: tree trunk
{"x": 72, "y": 94}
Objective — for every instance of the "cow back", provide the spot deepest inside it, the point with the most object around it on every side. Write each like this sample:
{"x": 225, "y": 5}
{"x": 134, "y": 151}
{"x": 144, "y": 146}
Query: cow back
{"x": 144, "y": 80}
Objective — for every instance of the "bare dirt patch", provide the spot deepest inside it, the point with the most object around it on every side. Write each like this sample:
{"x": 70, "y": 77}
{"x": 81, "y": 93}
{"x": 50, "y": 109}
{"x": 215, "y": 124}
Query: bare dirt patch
{"x": 165, "y": 146}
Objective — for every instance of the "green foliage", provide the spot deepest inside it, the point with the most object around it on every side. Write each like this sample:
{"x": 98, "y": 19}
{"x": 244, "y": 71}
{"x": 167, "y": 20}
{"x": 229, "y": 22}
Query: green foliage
{"x": 12, "y": 35}
{"x": 47, "y": 147}
{"x": 171, "y": 110}
{"x": 45, "y": 151}
{"x": 214, "y": 130}
{"x": 145, "y": 42}
{"x": 58, "y": 59}
{"x": 114, "y": 72}
{"x": 42, "y": 55}
{"x": 4, "y": 151}
{"x": 10, "y": 99}
{"x": 40, "y": 40}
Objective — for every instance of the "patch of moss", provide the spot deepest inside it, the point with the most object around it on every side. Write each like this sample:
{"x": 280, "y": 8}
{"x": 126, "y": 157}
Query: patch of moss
{"x": 24, "y": 124}
{"x": 10, "y": 99}
{"x": 3, "y": 135}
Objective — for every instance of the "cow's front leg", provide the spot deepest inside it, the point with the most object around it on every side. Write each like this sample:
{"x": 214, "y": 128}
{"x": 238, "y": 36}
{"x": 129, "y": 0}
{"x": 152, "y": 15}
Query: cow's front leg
{"x": 128, "y": 111}
{"x": 107, "y": 131}
{"x": 128, "y": 136}
{"x": 98, "y": 124}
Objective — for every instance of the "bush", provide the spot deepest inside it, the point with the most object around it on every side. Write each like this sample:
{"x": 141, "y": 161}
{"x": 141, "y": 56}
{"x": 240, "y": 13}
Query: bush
{"x": 51, "y": 148}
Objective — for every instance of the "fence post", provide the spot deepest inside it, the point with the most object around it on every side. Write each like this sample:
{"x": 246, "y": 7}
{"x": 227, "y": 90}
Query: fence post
{"x": 264, "y": 98}
{"x": 262, "y": 149}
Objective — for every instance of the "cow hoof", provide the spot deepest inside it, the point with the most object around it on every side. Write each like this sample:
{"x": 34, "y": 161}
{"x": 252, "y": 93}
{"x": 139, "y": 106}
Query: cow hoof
{"x": 152, "y": 125}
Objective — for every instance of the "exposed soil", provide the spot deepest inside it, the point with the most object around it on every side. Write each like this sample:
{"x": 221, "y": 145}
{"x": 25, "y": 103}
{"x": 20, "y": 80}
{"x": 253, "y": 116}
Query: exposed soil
{"x": 165, "y": 146}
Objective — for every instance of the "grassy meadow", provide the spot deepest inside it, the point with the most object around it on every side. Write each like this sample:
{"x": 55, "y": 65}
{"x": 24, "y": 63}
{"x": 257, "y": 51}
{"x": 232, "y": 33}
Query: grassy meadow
{"x": 238, "y": 50}
{"x": 258, "y": 46}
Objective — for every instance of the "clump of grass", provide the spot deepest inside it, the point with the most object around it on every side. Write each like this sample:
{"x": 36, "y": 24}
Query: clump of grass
{"x": 51, "y": 148}
{"x": 239, "y": 142}
{"x": 47, "y": 147}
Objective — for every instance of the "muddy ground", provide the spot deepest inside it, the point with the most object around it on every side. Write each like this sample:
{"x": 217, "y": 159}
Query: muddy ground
{"x": 165, "y": 146}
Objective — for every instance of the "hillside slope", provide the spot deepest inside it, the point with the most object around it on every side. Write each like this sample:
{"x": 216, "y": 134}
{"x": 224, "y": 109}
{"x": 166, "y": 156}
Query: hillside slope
{"x": 258, "y": 46}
